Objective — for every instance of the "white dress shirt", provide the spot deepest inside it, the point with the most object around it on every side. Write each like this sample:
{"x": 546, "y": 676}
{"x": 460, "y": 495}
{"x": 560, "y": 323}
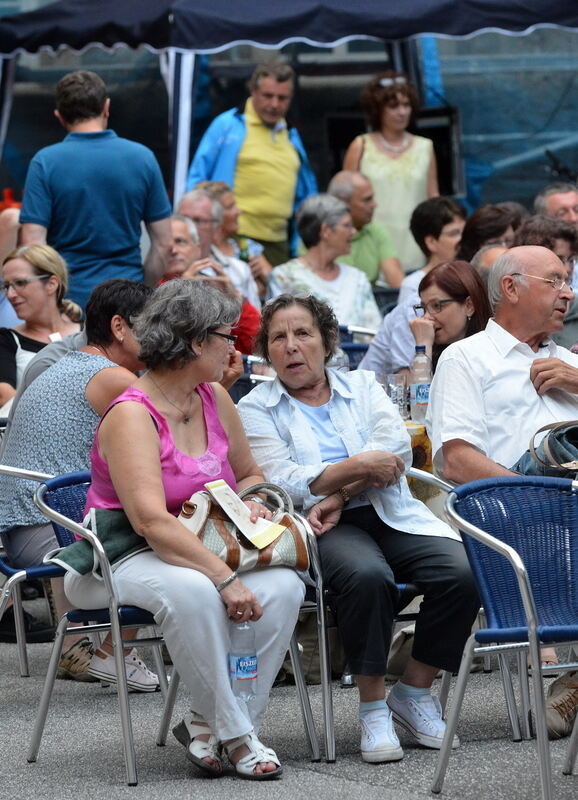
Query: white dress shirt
{"x": 285, "y": 446}
{"x": 482, "y": 393}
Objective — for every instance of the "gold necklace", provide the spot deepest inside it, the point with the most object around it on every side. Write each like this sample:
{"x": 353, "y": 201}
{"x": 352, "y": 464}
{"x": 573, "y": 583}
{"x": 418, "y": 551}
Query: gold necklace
{"x": 186, "y": 417}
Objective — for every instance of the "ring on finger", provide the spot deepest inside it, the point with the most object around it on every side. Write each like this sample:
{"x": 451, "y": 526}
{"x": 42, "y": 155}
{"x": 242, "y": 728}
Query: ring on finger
{"x": 239, "y": 613}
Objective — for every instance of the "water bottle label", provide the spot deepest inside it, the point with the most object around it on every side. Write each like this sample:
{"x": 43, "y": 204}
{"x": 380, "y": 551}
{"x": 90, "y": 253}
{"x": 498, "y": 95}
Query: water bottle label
{"x": 243, "y": 668}
{"x": 419, "y": 393}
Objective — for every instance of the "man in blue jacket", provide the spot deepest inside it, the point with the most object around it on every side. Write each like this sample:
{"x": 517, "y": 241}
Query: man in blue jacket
{"x": 262, "y": 159}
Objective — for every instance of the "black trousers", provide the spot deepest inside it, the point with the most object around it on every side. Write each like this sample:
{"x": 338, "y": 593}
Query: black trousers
{"x": 362, "y": 560}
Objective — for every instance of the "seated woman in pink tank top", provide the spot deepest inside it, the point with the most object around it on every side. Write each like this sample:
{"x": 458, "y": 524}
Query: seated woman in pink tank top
{"x": 161, "y": 440}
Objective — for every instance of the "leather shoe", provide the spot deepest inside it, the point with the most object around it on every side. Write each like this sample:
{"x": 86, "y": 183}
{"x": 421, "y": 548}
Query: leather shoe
{"x": 36, "y": 630}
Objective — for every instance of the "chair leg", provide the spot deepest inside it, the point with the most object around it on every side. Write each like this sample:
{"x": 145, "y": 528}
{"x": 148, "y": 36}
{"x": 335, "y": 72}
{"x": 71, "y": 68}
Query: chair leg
{"x": 301, "y": 687}
{"x": 454, "y": 714}
{"x": 526, "y": 711}
{"x": 506, "y": 676}
{"x": 123, "y": 703}
{"x": 325, "y": 672}
{"x": 445, "y": 690}
{"x": 570, "y": 762}
{"x": 169, "y": 705}
{"x": 540, "y": 713}
{"x": 11, "y": 589}
{"x": 47, "y": 690}
{"x": 160, "y": 669}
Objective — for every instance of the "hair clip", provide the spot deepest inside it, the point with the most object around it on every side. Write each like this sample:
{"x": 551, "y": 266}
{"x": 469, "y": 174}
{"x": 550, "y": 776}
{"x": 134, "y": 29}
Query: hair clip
{"x": 385, "y": 82}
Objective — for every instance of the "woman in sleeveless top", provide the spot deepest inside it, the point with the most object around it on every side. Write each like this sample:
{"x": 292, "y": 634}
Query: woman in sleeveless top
{"x": 51, "y": 431}
{"x": 400, "y": 165}
{"x": 173, "y": 431}
{"x": 35, "y": 280}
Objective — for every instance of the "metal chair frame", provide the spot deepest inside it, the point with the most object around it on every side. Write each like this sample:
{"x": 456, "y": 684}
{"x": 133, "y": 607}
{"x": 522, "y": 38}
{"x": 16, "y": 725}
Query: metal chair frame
{"x": 11, "y": 589}
{"x": 114, "y": 619}
{"x": 513, "y": 630}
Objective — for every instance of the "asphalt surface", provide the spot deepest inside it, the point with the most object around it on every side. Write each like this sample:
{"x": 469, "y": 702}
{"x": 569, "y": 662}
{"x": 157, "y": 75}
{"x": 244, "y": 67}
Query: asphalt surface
{"x": 81, "y": 753}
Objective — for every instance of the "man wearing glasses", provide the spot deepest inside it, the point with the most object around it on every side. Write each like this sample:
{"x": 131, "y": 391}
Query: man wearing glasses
{"x": 492, "y": 391}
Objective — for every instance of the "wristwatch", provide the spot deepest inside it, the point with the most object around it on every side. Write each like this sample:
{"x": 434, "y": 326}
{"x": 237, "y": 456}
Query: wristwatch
{"x": 345, "y": 496}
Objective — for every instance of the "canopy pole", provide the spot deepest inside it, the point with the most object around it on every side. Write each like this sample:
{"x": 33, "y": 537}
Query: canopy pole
{"x": 7, "y": 73}
{"x": 178, "y": 71}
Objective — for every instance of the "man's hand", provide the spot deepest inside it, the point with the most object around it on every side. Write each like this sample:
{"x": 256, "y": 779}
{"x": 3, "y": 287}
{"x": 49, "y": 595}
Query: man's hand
{"x": 381, "y": 469}
{"x": 552, "y": 373}
{"x": 326, "y": 514}
{"x": 232, "y": 371}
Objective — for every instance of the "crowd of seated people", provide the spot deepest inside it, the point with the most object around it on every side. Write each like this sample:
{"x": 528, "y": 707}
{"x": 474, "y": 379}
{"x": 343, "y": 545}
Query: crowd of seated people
{"x": 281, "y": 290}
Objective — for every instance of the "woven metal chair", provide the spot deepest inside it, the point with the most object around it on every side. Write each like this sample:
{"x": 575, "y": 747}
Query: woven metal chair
{"x": 15, "y": 576}
{"x": 521, "y": 537}
{"x": 62, "y": 500}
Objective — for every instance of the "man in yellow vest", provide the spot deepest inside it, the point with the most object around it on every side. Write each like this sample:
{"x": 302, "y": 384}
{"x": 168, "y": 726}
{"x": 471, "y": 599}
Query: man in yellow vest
{"x": 254, "y": 151}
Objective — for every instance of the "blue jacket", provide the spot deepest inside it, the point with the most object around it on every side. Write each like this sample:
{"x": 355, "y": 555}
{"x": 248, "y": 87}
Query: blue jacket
{"x": 217, "y": 153}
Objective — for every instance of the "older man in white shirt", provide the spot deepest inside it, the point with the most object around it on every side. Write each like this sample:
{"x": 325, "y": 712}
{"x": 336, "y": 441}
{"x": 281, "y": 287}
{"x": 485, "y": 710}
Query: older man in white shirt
{"x": 492, "y": 391}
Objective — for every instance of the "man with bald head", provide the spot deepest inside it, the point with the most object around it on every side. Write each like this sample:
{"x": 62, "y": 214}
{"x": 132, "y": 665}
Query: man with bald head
{"x": 492, "y": 391}
{"x": 371, "y": 248}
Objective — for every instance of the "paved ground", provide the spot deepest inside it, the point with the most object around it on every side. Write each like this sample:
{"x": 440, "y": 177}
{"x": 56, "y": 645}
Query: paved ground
{"x": 81, "y": 754}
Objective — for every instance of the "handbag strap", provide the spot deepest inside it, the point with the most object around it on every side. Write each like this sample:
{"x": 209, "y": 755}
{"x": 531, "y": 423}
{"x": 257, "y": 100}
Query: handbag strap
{"x": 274, "y": 492}
{"x": 552, "y": 427}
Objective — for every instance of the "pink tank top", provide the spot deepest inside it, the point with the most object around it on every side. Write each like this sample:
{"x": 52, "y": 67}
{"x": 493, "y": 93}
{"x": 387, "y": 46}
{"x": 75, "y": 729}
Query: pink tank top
{"x": 181, "y": 474}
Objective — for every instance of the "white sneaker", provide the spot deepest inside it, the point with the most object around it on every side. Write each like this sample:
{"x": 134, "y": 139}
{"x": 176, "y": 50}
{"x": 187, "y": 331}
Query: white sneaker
{"x": 422, "y": 717}
{"x": 138, "y": 676}
{"x": 379, "y": 740}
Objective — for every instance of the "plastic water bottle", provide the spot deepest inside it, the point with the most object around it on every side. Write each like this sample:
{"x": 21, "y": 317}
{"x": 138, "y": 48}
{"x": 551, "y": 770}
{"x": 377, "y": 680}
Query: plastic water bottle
{"x": 243, "y": 661}
{"x": 420, "y": 380}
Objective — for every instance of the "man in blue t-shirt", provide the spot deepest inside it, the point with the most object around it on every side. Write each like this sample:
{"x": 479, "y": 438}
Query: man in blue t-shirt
{"x": 88, "y": 195}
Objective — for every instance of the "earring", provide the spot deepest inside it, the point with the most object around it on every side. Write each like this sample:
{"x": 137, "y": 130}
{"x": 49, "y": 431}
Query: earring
{"x": 121, "y": 340}
{"x": 469, "y": 318}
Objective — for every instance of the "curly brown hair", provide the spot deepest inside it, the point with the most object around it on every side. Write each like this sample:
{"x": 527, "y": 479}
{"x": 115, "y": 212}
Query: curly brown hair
{"x": 376, "y": 96}
{"x": 322, "y": 314}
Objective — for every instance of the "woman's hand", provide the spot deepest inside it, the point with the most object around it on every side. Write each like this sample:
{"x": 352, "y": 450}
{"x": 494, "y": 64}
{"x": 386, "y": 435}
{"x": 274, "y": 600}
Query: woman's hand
{"x": 423, "y": 332}
{"x": 241, "y": 603}
{"x": 326, "y": 514}
{"x": 258, "y": 510}
{"x": 232, "y": 370}
{"x": 381, "y": 469}
{"x": 260, "y": 268}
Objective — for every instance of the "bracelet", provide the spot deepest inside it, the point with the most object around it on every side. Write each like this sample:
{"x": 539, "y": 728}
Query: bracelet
{"x": 223, "y": 585}
{"x": 344, "y": 494}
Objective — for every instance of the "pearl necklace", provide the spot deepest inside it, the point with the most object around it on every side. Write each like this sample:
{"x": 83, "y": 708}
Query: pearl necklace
{"x": 395, "y": 148}
{"x": 186, "y": 417}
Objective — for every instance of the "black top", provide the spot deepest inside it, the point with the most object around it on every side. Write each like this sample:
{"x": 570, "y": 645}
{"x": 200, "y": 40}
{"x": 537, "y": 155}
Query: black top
{"x": 8, "y": 353}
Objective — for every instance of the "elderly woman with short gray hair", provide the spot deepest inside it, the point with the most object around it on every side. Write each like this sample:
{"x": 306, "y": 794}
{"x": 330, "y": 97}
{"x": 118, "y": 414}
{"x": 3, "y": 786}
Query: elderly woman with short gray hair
{"x": 161, "y": 440}
{"x": 325, "y": 227}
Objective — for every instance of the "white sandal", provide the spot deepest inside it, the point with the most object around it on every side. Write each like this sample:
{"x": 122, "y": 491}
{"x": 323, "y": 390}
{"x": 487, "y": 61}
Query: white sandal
{"x": 194, "y": 725}
{"x": 258, "y": 754}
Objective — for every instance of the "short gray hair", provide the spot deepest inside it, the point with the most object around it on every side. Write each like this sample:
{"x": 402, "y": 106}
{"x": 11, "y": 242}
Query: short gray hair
{"x": 506, "y": 264}
{"x": 342, "y": 185}
{"x": 178, "y": 313}
{"x": 191, "y": 227}
{"x": 315, "y": 211}
{"x": 199, "y": 194}
{"x": 540, "y": 205}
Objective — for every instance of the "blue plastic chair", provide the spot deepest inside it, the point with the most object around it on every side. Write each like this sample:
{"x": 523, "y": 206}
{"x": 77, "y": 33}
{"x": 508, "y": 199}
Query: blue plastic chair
{"x": 62, "y": 500}
{"x": 521, "y": 537}
{"x": 15, "y": 575}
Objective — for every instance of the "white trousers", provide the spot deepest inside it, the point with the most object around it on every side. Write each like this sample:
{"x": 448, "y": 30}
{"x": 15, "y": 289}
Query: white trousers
{"x": 193, "y": 618}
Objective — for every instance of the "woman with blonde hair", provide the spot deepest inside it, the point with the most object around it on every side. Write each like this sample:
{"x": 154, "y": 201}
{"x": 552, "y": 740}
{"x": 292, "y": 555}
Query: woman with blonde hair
{"x": 35, "y": 280}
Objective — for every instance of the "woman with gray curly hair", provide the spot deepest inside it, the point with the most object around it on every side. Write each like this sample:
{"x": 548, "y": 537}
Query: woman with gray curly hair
{"x": 161, "y": 440}
{"x": 325, "y": 227}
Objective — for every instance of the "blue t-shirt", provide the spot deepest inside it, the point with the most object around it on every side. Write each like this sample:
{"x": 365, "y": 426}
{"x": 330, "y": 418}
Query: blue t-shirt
{"x": 91, "y": 191}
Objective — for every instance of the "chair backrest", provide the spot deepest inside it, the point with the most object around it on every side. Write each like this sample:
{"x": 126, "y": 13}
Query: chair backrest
{"x": 67, "y": 495}
{"x": 537, "y": 517}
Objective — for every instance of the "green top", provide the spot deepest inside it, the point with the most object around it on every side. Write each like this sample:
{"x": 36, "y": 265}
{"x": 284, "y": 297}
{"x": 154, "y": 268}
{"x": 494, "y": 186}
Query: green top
{"x": 369, "y": 247}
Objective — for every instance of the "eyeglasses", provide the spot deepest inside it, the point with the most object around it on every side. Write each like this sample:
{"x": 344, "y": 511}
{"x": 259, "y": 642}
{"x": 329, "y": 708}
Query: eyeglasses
{"x": 203, "y": 220}
{"x": 557, "y": 283}
{"x": 228, "y": 336}
{"x": 433, "y": 307}
{"x": 385, "y": 82}
{"x": 21, "y": 283}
